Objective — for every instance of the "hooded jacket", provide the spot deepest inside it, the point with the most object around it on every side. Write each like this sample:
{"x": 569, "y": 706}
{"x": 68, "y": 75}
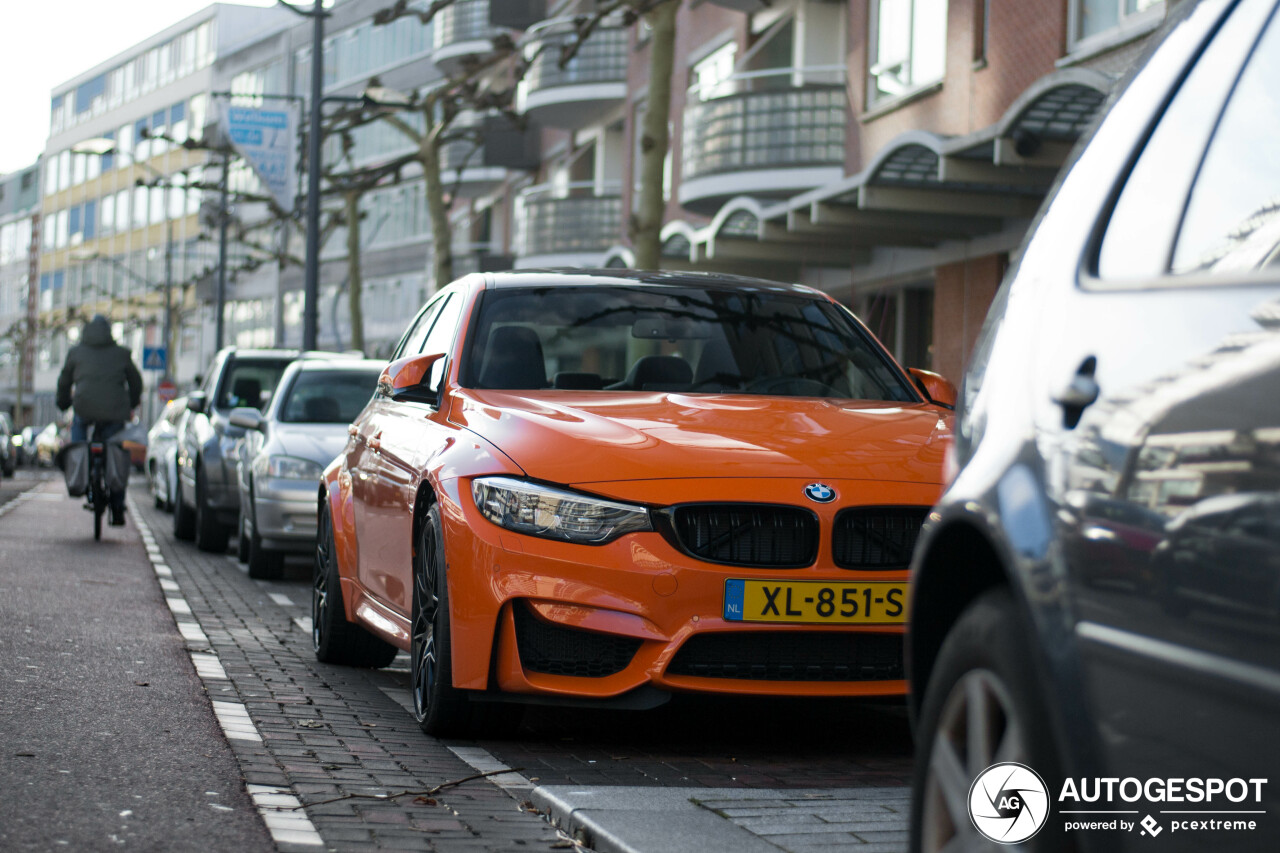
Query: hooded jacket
{"x": 107, "y": 384}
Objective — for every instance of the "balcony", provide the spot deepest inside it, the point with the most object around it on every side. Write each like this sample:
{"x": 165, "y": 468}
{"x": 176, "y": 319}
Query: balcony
{"x": 749, "y": 6}
{"x": 493, "y": 146}
{"x": 567, "y": 225}
{"x": 462, "y": 33}
{"x": 768, "y": 134}
{"x": 593, "y": 82}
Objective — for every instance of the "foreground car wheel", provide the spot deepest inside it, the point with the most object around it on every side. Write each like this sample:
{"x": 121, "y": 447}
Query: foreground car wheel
{"x": 437, "y": 706}
{"x": 979, "y": 709}
{"x": 333, "y": 638}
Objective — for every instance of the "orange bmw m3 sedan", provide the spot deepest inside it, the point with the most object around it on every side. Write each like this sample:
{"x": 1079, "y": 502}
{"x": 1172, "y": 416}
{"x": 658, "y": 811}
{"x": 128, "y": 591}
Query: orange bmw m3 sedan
{"x": 610, "y": 486}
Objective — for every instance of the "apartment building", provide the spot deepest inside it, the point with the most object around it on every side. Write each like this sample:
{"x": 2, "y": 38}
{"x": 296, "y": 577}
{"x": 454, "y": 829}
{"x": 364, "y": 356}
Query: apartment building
{"x": 121, "y": 193}
{"x": 889, "y": 152}
{"x": 19, "y": 259}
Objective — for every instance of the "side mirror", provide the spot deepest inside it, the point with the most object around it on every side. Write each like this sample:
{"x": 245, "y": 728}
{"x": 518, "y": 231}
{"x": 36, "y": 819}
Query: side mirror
{"x": 406, "y": 380}
{"x": 247, "y": 417}
{"x": 937, "y": 388}
{"x": 196, "y": 401}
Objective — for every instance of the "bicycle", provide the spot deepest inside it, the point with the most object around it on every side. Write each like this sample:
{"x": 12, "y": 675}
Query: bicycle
{"x": 98, "y": 497}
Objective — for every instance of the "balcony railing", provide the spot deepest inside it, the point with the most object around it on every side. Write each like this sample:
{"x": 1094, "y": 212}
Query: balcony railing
{"x": 764, "y": 121}
{"x": 462, "y": 29}
{"x": 574, "y": 95}
{"x": 568, "y": 219}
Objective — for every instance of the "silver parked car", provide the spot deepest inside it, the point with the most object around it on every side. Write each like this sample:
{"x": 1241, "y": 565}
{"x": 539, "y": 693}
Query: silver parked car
{"x": 162, "y": 453}
{"x": 284, "y": 450}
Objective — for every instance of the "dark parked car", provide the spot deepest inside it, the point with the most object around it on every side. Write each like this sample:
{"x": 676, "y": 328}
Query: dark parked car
{"x": 1122, "y": 404}
{"x": 206, "y": 503}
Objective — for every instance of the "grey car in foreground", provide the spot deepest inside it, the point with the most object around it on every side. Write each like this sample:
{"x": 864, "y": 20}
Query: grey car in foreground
{"x": 1096, "y": 597}
{"x": 284, "y": 450}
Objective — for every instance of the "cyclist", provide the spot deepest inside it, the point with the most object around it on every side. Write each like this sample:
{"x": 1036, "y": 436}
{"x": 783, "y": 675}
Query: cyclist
{"x": 107, "y": 388}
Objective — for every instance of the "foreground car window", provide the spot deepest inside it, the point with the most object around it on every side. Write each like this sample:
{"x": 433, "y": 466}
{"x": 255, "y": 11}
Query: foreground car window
{"x": 678, "y": 339}
{"x": 328, "y": 396}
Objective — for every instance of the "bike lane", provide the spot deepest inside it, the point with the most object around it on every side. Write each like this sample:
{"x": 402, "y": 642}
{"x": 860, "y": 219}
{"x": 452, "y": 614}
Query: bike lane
{"x": 107, "y": 738}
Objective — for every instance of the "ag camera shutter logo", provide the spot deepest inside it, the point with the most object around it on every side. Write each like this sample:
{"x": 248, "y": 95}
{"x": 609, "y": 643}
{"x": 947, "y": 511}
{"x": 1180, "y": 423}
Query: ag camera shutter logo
{"x": 1008, "y": 803}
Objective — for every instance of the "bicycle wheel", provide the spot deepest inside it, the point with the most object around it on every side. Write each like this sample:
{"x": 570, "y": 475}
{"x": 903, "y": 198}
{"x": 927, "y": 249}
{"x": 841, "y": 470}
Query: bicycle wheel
{"x": 98, "y": 489}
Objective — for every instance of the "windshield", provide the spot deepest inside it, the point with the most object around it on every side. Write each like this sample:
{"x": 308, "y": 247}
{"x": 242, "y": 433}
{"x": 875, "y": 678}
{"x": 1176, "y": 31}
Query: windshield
{"x": 328, "y": 396}
{"x": 681, "y": 339}
{"x": 250, "y": 383}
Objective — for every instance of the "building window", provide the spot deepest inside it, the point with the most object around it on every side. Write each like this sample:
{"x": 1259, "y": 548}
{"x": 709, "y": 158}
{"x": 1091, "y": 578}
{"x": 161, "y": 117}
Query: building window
{"x": 909, "y": 46}
{"x": 1109, "y": 18}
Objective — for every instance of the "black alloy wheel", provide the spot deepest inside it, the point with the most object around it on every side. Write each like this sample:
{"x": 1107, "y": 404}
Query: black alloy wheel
{"x": 333, "y": 638}
{"x": 439, "y": 707}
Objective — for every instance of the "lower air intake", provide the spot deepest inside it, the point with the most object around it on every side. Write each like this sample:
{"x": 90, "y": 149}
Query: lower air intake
{"x": 791, "y": 656}
{"x": 556, "y": 650}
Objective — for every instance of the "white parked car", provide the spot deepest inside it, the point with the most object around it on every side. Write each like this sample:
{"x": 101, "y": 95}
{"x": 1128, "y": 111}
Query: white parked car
{"x": 162, "y": 453}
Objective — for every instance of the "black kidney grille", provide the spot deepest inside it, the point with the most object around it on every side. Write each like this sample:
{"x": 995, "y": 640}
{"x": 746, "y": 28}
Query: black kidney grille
{"x": 556, "y": 650}
{"x": 791, "y": 656}
{"x": 748, "y": 534}
{"x": 877, "y": 537}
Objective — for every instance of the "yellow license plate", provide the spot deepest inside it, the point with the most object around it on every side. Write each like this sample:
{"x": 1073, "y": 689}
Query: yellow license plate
{"x": 815, "y": 602}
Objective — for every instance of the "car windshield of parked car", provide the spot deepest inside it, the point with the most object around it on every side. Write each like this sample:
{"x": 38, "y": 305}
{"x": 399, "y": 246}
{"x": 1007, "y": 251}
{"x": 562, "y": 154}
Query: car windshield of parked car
{"x": 328, "y": 396}
{"x": 675, "y": 339}
{"x": 250, "y": 383}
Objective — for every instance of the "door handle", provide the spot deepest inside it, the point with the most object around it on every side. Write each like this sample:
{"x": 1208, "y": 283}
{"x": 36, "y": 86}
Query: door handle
{"x": 1081, "y": 393}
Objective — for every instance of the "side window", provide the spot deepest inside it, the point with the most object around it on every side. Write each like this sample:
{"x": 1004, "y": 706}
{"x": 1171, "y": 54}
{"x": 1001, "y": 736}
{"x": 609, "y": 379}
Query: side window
{"x": 1232, "y": 221}
{"x": 412, "y": 343}
{"x": 442, "y": 334}
{"x": 1139, "y": 236}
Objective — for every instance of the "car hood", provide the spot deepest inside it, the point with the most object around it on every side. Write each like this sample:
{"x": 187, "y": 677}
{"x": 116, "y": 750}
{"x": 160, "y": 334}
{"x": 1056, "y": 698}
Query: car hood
{"x": 584, "y": 437}
{"x": 317, "y": 442}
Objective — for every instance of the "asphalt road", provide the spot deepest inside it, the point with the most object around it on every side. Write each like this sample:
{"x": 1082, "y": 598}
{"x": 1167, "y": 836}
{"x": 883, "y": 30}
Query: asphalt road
{"x": 107, "y": 740}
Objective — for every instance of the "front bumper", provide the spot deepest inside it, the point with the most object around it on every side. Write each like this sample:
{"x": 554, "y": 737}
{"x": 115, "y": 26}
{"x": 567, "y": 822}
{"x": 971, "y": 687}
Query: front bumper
{"x": 284, "y": 513}
{"x": 638, "y": 612}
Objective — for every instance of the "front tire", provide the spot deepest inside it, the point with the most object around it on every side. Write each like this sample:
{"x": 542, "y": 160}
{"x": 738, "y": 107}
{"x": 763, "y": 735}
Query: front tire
{"x": 333, "y": 638}
{"x": 980, "y": 708}
{"x": 438, "y": 706}
{"x": 184, "y": 521}
{"x": 210, "y": 535}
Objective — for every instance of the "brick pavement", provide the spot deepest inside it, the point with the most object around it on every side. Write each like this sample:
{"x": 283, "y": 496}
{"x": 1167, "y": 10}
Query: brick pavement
{"x": 329, "y": 731}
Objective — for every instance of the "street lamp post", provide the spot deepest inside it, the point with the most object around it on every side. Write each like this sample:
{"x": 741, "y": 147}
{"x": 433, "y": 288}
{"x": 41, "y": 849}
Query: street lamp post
{"x": 311, "y": 275}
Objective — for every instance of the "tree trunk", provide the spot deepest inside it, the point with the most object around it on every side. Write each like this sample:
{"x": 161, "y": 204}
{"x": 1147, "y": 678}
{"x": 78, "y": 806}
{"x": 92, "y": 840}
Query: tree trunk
{"x": 646, "y": 225}
{"x": 441, "y": 272}
{"x": 355, "y": 285}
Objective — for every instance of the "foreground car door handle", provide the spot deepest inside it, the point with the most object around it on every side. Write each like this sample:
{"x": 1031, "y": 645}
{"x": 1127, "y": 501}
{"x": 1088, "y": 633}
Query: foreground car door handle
{"x": 1079, "y": 394}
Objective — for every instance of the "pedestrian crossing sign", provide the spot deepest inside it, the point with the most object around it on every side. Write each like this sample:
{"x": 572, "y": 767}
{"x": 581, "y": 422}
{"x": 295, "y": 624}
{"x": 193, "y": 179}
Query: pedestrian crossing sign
{"x": 154, "y": 358}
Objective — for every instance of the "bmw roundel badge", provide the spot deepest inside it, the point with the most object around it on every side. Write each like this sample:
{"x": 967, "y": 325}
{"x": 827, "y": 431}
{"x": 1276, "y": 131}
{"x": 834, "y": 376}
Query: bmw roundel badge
{"x": 820, "y": 492}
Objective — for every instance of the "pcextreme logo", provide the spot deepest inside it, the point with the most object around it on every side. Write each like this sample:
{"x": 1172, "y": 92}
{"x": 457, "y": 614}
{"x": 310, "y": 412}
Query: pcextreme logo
{"x": 1009, "y": 803}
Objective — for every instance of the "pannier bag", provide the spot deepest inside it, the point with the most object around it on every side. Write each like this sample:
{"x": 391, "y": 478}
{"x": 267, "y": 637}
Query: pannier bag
{"x": 118, "y": 465}
{"x": 74, "y": 459}
{"x": 75, "y": 467}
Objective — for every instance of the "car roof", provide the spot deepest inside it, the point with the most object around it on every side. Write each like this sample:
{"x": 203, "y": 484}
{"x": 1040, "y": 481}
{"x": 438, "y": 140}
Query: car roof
{"x": 339, "y": 363}
{"x": 630, "y": 278}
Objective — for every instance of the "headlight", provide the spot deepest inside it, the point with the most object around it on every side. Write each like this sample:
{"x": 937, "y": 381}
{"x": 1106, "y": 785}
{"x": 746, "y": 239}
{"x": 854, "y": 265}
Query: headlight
{"x": 293, "y": 468}
{"x": 17, "y": 441}
{"x": 555, "y": 513}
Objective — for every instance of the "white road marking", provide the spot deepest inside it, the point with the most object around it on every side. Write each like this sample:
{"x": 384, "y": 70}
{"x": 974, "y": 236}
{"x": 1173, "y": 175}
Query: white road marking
{"x": 208, "y": 666}
{"x": 484, "y": 762}
{"x": 162, "y": 570}
{"x": 235, "y": 721}
{"x": 168, "y": 585}
{"x": 281, "y": 599}
{"x": 282, "y": 813}
{"x": 191, "y": 632}
{"x": 179, "y": 606}
{"x": 303, "y": 622}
